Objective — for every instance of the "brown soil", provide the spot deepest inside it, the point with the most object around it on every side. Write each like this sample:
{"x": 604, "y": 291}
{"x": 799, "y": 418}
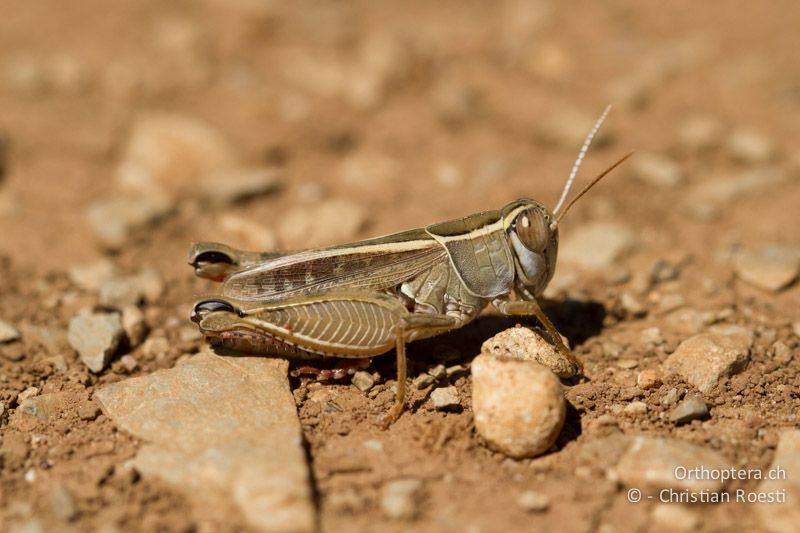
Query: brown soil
{"x": 736, "y": 62}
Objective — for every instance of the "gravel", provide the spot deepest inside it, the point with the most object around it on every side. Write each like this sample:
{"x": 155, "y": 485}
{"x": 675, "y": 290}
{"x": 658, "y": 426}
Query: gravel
{"x": 95, "y": 336}
{"x": 363, "y": 381}
{"x": 691, "y": 408}
{"x": 705, "y": 358}
{"x": 445, "y": 398}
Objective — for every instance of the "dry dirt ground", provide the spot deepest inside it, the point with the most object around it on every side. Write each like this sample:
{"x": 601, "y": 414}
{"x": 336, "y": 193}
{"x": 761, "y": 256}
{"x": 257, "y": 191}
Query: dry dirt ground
{"x": 382, "y": 116}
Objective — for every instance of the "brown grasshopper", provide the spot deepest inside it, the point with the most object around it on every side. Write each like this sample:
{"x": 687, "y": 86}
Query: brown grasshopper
{"x": 362, "y": 299}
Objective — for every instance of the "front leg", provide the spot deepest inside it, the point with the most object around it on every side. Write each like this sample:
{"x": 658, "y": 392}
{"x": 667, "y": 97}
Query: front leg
{"x": 531, "y": 307}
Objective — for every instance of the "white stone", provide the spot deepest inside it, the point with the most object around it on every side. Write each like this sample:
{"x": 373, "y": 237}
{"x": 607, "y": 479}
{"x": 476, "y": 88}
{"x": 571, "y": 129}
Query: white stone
{"x": 528, "y": 345}
{"x": 95, "y": 337}
{"x": 445, "y": 398}
{"x": 771, "y": 268}
{"x": 8, "y": 333}
{"x": 519, "y": 406}
{"x": 221, "y": 430}
{"x": 597, "y": 245}
{"x": 705, "y": 358}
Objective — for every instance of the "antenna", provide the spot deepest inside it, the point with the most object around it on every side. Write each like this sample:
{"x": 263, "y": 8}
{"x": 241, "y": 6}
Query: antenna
{"x": 591, "y": 184}
{"x": 585, "y": 148}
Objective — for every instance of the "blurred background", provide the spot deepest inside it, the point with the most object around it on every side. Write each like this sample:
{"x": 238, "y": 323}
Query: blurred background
{"x": 130, "y": 129}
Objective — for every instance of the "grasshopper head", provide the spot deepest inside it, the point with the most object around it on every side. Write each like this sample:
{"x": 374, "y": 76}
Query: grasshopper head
{"x": 533, "y": 232}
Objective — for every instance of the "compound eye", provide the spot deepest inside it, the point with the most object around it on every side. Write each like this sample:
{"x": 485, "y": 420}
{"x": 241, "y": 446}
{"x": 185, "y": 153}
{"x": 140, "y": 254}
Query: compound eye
{"x": 533, "y": 229}
{"x": 214, "y": 258}
{"x": 211, "y": 306}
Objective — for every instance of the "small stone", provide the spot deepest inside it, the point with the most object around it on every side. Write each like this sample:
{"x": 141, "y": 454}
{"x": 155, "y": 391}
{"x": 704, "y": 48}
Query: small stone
{"x": 691, "y": 408}
{"x": 62, "y": 504}
{"x": 95, "y": 337}
{"x": 45, "y": 406}
{"x": 652, "y": 464}
{"x": 750, "y": 147}
{"x": 445, "y": 398}
{"x": 134, "y": 324}
{"x": 438, "y": 372}
{"x": 243, "y": 233}
{"x": 519, "y": 406}
{"x": 129, "y": 362}
{"x": 663, "y": 271}
{"x": 627, "y": 364}
{"x": 648, "y": 379}
{"x": 632, "y": 305}
{"x": 227, "y": 187}
{"x": 705, "y": 358}
{"x": 455, "y": 371}
{"x": 700, "y": 133}
{"x": 399, "y": 498}
{"x": 706, "y": 200}
{"x": 771, "y": 268}
{"x": 675, "y": 517}
{"x": 781, "y": 353}
{"x": 528, "y": 345}
{"x": 89, "y": 276}
{"x": 28, "y": 393}
{"x": 325, "y": 223}
{"x": 597, "y": 245}
{"x": 114, "y": 219}
{"x": 670, "y": 397}
{"x": 118, "y": 293}
{"x": 533, "y": 502}
{"x": 635, "y": 409}
{"x": 363, "y": 381}
{"x": 8, "y": 333}
{"x": 89, "y": 411}
{"x": 167, "y": 155}
{"x": 651, "y": 336}
{"x": 657, "y": 170}
{"x": 782, "y": 517}
{"x": 423, "y": 381}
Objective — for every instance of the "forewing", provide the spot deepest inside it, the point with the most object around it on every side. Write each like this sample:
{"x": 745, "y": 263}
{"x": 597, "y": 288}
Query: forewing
{"x": 374, "y": 264}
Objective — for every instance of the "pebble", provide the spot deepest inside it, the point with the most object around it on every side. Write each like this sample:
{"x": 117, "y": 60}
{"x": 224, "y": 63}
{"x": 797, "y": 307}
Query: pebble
{"x": 168, "y": 154}
{"x": 243, "y": 233}
{"x": 650, "y": 463}
{"x": 8, "y": 333}
{"x": 705, "y": 358}
{"x": 783, "y": 517}
{"x": 114, "y": 219}
{"x": 423, "y": 381}
{"x": 533, "y": 502}
{"x": 526, "y": 344}
{"x": 627, "y": 364}
{"x": 657, "y": 170}
{"x": 632, "y": 305}
{"x": 519, "y": 406}
{"x": 95, "y": 337}
{"x": 772, "y": 268}
{"x": 61, "y": 502}
{"x": 635, "y": 409}
{"x": 445, "y": 398}
{"x": 690, "y": 408}
{"x": 129, "y": 362}
{"x": 325, "y": 223}
{"x": 597, "y": 245}
{"x": 675, "y": 517}
{"x": 248, "y": 418}
{"x": 438, "y": 372}
{"x": 651, "y": 336}
{"x": 363, "y": 381}
{"x": 751, "y": 147}
{"x": 700, "y": 133}
{"x": 45, "y": 406}
{"x": 781, "y": 353}
{"x": 706, "y": 200}
{"x": 399, "y": 499}
{"x": 227, "y": 187}
{"x": 670, "y": 397}
{"x": 89, "y": 411}
{"x": 89, "y": 276}
{"x": 134, "y": 324}
{"x": 29, "y": 392}
{"x": 648, "y": 379}
{"x": 118, "y": 293}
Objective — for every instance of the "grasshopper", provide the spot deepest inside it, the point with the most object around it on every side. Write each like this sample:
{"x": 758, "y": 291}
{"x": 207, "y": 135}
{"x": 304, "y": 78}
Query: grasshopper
{"x": 366, "y": 298}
